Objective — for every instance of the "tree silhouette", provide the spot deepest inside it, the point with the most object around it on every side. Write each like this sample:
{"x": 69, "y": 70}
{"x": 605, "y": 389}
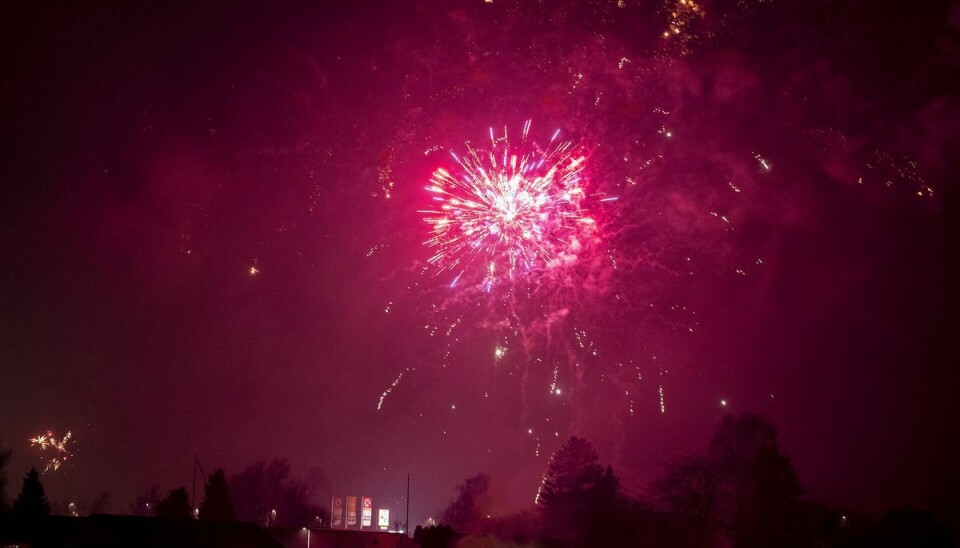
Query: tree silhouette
{"x": 606, "y": 519}
{"x": 439, "y": 536}
{"x": 263, "y": 487}
{"x": 578, "y": 494}
{"x": 759, "y": 487}
{"x": 32, "y": 501}
{"x": 217, "y": 504}
{"x": 175, "y": 505}
{"x": 743, "y": 487}
{"x": 4, "y": 459}
{"x": 574, "y": 470}
{"x": 465, "y": 513}
{"x": 689, "y": 492}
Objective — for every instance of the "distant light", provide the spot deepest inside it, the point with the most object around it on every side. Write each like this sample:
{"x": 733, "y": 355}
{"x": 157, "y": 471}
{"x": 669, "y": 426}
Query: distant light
{"x": 723, "y": 403}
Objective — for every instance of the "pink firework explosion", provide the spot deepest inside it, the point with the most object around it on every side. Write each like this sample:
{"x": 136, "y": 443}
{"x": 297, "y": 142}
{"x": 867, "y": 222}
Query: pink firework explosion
{"x": 507, "y": 209}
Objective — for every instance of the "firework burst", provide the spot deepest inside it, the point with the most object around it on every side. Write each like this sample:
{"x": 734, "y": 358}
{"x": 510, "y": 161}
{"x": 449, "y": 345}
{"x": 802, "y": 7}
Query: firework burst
{"x": 54, "y": 450}
{"x": 508, "y": 210}
{"x": 516, "y": 234}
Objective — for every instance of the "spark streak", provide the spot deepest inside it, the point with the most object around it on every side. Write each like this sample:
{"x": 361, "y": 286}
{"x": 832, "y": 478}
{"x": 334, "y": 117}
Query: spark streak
{"x": 390, "y": 388}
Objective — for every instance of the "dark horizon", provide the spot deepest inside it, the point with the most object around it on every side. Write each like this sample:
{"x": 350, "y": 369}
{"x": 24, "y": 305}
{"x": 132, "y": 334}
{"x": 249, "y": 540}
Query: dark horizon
{"x": 213, "y": 243}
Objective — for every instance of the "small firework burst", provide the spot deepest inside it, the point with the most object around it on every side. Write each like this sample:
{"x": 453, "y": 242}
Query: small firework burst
{"x": 54, "y": 450}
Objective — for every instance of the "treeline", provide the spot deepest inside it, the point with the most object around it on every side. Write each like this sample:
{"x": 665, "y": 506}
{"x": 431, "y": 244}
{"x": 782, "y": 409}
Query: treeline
{"x": 264, "y": 492}
{"x": 741, "y": 491}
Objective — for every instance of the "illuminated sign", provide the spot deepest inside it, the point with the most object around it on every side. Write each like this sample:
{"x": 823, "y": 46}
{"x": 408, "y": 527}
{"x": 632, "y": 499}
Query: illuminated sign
{"x": 367, "y": 512}
{"x": 351, "y": 511}
{"x": 337, "y": 518}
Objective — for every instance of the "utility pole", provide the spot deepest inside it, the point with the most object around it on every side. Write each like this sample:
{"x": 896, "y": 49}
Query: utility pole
{"x": 406, "y": 525}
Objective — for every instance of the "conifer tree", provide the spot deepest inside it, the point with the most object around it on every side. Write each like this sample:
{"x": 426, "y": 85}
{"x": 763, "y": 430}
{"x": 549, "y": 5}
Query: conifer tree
{"x": 175, "y": 505}
{"x": 32, "y": 501}
{"x": 4, "y": 459}
{"x": 217, "y": 504}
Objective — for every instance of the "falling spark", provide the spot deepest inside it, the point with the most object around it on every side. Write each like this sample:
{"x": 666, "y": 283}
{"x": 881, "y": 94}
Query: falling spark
{"x": 390, "y": 388}
{"x": 663, "y": 405}
{"x": 375, "y": 248}
{"x": 543, "y": 481}
{"x": 763, "y": 162}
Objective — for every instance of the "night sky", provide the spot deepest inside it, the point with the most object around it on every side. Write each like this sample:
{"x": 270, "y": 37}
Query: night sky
{"x": 212, "y": 242}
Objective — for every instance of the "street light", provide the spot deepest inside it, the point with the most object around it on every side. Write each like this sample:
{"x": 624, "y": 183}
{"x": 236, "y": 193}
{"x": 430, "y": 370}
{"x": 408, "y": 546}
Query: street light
{"x": 308, "y": 536}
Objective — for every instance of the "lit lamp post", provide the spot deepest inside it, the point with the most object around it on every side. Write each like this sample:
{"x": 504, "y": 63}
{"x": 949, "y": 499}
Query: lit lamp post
{"x": 308, "y": 536}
